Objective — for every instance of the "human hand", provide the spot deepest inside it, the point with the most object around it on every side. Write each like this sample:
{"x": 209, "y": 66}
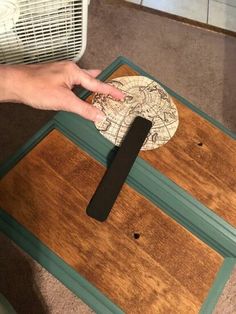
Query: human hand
{"x": 48, "y": 86}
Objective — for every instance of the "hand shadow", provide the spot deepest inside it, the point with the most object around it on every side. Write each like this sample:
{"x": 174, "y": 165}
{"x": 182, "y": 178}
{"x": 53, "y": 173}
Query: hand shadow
{"x": 17, "y": 280}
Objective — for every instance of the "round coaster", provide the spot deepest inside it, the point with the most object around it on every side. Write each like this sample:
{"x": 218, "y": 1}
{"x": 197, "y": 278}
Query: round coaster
{"x": 143, "y": 97}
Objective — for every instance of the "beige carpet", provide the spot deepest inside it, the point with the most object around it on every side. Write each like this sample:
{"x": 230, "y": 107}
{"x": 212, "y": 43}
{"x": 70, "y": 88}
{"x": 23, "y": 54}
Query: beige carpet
{"x": 198, "y": 64}
{"x": 30, "y": 288}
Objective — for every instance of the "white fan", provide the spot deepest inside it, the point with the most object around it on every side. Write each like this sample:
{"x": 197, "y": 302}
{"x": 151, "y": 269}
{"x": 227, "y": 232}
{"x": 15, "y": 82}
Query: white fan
{"x": 42, "y": 30}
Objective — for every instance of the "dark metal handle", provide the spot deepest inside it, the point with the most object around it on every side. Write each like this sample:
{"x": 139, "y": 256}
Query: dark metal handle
{"x": 115, "y": 176}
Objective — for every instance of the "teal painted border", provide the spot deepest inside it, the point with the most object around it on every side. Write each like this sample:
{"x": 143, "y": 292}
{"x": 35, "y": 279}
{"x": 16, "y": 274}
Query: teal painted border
{"x": 56, "y": 266}
{"x": 159, "y": 189}
{"x": 80, "y": 286}
{"x": 33, "y": 141}
{"x": 5, "y": 306}
{"x": 156, "y": 187}
{"x": 218, "y": 285}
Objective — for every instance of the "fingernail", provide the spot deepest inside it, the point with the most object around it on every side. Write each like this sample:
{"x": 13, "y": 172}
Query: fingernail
{"x": 100, "y": 117}
{"x": 122, "y": 97}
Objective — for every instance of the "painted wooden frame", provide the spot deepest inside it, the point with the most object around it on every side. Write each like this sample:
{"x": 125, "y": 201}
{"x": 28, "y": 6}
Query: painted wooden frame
{"x": 172, "y": 199}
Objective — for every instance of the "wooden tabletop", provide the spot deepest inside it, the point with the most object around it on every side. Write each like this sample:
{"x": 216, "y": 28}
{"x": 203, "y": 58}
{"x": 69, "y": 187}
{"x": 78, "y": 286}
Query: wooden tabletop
{"x": 140, "y": 258}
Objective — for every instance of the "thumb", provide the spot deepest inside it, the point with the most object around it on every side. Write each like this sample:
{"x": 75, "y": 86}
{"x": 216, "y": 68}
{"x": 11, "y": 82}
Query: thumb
{"x": 82, "y": 108}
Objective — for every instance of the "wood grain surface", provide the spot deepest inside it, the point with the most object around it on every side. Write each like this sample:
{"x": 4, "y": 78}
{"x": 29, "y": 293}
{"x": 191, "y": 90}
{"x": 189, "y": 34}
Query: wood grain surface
{"x": 199, "y": 158}
{"x": 165, "y": 270}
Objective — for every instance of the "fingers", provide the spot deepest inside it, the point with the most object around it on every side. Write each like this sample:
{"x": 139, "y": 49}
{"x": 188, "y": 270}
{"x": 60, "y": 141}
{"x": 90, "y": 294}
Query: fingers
{"x": 94, "y": 85}
{"x": 82, "y": 108}
{"x": 92, "y": 72}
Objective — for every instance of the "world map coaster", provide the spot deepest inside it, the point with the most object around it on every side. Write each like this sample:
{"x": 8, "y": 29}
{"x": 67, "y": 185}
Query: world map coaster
{"x": 143, "y": 97}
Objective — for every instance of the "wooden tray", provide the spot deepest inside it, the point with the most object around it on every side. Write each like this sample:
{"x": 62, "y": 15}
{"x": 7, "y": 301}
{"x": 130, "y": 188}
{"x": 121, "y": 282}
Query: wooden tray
{"x": 164, "y": 245}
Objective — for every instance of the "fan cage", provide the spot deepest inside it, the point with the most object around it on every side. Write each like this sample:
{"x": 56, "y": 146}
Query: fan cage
{"x": 33, "y": 31}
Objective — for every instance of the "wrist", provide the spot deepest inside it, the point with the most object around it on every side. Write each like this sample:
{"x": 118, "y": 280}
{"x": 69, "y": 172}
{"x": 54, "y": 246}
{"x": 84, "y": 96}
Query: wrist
{"x": 10, "y": 77}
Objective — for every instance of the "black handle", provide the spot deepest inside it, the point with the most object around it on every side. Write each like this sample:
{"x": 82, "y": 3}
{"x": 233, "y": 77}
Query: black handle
{"x": 115, "y": 176}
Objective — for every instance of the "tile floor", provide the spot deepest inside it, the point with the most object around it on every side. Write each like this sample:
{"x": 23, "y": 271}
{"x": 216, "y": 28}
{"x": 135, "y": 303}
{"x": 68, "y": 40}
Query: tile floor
{"x": 194, "y": 9}
{"x": 220, "y": 13}
{"x": 135, "y": 1}
{"x": 223, "y": 14}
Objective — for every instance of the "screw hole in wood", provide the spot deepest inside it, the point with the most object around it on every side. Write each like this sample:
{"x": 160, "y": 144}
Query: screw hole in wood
{"x": 136, "y": 235}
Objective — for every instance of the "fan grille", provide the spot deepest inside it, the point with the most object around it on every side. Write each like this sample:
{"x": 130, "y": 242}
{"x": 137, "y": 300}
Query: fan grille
{"x": 41, "y": 30}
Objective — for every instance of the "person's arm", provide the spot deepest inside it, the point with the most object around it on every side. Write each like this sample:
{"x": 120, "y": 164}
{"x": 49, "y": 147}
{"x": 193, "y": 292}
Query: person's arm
{"x": 48, "y": 86}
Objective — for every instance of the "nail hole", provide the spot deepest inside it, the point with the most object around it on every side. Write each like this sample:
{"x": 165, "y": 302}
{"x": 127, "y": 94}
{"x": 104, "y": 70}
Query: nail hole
{"x": 136, "y": 235}
{"x": 200, "y": 144}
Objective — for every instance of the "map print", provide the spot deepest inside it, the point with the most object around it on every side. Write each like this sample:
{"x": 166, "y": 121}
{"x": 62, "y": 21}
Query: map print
{"x": 143, "y": 97}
